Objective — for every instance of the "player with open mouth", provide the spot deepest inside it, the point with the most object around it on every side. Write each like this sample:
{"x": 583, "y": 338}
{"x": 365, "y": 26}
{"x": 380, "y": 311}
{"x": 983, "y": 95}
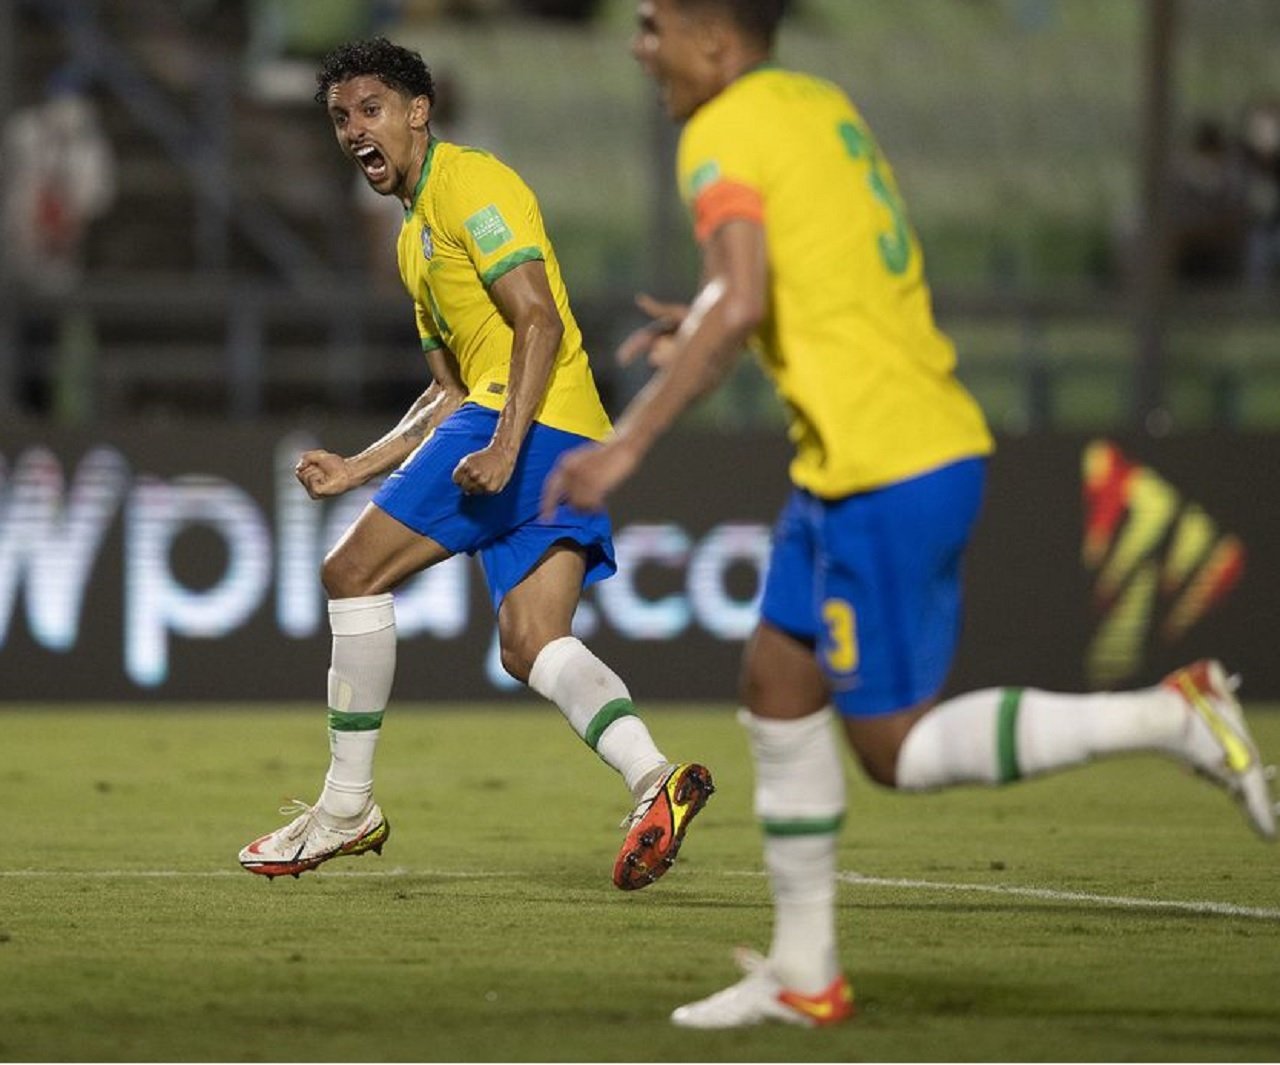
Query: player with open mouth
{"x": 511, "y": 389}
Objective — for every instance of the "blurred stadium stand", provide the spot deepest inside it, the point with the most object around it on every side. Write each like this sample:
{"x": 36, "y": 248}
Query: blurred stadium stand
{"x": 231, "y": 276}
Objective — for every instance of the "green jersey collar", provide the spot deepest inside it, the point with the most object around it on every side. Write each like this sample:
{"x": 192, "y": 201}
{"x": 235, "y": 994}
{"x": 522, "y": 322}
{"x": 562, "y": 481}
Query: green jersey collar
{"x": 422, "y": 178}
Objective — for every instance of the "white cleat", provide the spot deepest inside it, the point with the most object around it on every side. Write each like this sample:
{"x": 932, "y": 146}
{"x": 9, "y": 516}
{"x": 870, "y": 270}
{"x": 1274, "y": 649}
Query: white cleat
{"x": 758, "y": 997}
{"x": 305, "y": 841}
{"x": 1220, "y": 746}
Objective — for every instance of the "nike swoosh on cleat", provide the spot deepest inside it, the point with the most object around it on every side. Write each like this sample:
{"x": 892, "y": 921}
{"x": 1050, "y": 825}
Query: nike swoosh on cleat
{"x": 819, "y": 1011}
{"x": 1239, "y": 757}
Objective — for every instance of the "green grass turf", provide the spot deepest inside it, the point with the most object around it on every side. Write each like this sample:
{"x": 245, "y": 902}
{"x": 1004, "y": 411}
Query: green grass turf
{"x": 489, "y": 929}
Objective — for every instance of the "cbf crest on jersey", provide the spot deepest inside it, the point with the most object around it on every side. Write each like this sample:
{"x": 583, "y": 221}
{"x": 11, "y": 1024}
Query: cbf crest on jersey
{"x": 428, "y": 248}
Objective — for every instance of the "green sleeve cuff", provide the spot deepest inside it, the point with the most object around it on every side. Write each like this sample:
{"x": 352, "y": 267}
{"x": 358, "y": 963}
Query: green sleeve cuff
{"x": 510, "y": 262}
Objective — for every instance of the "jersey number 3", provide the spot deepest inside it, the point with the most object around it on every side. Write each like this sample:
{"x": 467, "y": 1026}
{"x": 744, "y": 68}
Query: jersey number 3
{"x": 841, "y": 649}
{"x": 895, "y": 245}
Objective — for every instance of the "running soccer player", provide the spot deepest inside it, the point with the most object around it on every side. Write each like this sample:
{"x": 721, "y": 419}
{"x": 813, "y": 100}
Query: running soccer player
{"x": 807, "y": 252}
{"x": 511, "y": 390}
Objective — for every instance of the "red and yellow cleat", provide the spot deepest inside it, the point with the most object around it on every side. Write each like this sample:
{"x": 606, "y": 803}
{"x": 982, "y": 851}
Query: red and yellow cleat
{"x": 1219, "y": 745}
{"x": 306, "y": 842}
{"x": 759, "y": 997}
{"x": 656, "y": 827}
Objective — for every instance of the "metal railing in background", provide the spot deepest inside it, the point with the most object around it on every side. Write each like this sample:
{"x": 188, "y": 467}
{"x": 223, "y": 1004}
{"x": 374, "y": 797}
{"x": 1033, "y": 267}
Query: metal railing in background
{"x": 243, "y": 350}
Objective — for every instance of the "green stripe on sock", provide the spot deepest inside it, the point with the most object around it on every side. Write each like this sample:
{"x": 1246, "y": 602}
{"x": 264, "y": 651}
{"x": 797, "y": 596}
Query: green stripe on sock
{"x": 606, "y": 716}
{"x": 811, "y": 826}
{"x": 343, "y": 722}
{"x": 1006, "y": 735}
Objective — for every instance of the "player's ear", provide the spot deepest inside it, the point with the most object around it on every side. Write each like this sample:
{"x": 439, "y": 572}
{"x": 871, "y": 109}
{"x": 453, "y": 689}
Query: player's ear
{"x": 419, "y": 112}
{"x": 711, "y": 32}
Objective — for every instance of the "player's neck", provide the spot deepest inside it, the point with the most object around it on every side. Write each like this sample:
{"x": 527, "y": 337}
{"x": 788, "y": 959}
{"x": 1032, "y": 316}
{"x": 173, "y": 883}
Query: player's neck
{"x": 740, "y": 61}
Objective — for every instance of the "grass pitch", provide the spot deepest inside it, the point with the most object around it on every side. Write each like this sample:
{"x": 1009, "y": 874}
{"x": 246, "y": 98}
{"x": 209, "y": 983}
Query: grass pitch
{"x": 1121, "y": 912}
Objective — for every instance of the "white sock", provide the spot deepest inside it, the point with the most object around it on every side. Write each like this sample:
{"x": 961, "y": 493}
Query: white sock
{"x": 598, "y": 706}
{"x": 999, "y": 735}
{"x": 800, "y": 802}
{"x": 362, "y": 667}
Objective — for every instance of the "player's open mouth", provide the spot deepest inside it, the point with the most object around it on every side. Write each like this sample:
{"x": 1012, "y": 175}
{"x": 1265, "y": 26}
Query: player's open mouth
{"x": 371, "y": 162}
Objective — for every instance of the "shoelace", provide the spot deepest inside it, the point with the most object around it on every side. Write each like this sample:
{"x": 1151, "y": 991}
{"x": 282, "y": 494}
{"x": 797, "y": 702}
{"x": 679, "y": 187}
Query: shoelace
{"x": 638, "y": 812}
{"x": 646, "y": 800}
{"x": 295, "y": 807}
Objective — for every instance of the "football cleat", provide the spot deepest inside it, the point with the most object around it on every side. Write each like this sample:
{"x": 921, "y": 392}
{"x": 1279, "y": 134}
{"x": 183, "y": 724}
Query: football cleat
{"x": 1219, "y": 745}
{"x": 759, "y": 997}
{"x": 656, "y": 827}
{"x": 306, "y": 842}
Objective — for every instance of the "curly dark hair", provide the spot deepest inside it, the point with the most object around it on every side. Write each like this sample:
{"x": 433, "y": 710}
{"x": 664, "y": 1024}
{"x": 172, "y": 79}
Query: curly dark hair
{"x": 397, "y": 68}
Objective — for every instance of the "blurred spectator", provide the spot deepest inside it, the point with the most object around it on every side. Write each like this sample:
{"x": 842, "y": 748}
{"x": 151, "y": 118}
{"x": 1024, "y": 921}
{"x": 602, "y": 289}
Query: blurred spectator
{"x": 1260, "y": 145}
{"x": 1209, "y": 219}
{"x": 59, "y": 175}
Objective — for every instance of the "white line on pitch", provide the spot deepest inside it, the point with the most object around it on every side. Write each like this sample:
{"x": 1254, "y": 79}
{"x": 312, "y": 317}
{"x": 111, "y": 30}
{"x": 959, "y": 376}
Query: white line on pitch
{"x": 1222, "y": 909}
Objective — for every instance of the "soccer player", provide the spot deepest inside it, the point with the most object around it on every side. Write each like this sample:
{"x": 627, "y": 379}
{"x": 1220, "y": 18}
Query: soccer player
{"x": 806, "y": 251}
{"x": 510, "y": 390}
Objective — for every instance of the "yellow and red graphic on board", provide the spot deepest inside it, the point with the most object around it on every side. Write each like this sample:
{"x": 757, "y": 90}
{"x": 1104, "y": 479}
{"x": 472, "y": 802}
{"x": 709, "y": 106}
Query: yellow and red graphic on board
{"x": 1161, "y": 562}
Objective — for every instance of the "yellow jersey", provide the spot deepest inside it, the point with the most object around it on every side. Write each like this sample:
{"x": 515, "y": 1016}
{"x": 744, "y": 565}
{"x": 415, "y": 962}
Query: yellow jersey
{"x": 472, "y": 219}
{"x": 849, "y": 340}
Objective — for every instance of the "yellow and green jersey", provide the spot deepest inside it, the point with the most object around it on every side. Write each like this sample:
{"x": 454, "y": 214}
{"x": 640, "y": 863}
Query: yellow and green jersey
{"x": 472, "y": 220}
{"x": 849, "y": 340}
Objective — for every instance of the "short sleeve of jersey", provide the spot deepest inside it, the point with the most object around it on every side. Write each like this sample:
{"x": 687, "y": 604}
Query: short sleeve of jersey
{"x": 721, "y": 166}
{"x": 427, "y": 330}
{"x": 492, "y": 213}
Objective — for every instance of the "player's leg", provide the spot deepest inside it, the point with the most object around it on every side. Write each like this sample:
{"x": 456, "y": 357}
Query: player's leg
{"x": 416, "y": 512}
{"x": 799, "y": 800}
{"x": 538, "y": 649}
{"x": 537, "y": 645}
{"x": 1000, "y": 735}
{"x": 375, "y": 554}
{"x": 536, "y": 571}
{"x": 904, "y": 593}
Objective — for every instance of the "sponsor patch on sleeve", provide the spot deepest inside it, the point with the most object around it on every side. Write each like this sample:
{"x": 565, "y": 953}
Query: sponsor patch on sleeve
{"x": 489, "y": 229}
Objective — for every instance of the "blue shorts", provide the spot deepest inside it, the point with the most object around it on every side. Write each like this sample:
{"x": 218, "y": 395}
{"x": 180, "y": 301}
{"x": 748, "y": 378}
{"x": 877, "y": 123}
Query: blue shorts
{"x": 504, "y": 529}
{"x": 872, "y": 583}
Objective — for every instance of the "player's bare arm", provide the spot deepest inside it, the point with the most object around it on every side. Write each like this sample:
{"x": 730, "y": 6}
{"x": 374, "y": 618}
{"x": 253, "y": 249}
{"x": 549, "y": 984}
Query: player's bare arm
{"x": 727, "y": 310}
{"x": 524, "y": 298}
{"x": 325, "y": 474}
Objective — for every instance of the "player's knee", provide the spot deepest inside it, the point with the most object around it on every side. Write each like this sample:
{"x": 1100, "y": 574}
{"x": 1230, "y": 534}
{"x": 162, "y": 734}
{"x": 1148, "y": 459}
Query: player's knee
{"x": 880, "y": 766}
{"x": 876, "y": 744}
{"x": 877, "y": 740}
{"x": 756, "y": 691}
{"x": 342, "y": 578}
{"x": 516, "y": 663}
